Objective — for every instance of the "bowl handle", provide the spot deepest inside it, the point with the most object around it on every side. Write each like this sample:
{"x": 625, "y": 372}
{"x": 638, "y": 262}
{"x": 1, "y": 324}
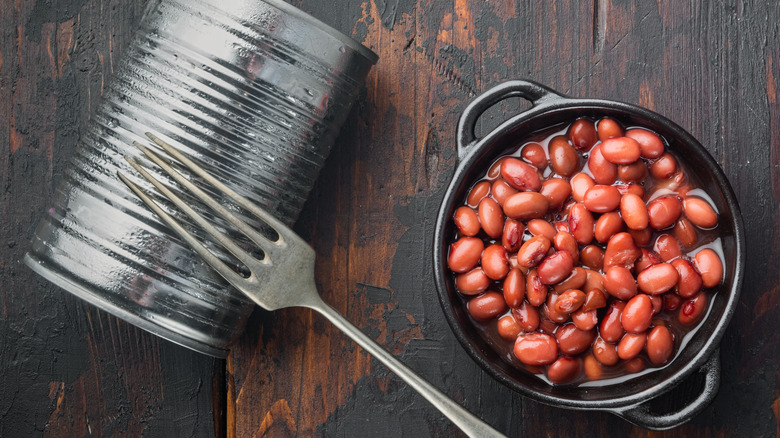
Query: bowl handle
{"x": 641, "y": 416}
{"x": 536, "y": 93}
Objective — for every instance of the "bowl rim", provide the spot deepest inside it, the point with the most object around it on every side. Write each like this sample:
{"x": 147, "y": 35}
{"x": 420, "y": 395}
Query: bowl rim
{"x": 550, "y": 103}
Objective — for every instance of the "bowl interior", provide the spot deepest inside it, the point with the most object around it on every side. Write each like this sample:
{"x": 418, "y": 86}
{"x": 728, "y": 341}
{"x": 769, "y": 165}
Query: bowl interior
{"x": 709, "y": 177}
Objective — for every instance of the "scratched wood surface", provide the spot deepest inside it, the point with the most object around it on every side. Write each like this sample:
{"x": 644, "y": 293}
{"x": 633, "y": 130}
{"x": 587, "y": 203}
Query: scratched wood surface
{"x": 67, "y": 369}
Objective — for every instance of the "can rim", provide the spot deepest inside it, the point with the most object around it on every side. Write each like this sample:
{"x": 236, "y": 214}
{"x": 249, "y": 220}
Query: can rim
{"x": 333, "y": 32}
{"x": 96, "y": 299}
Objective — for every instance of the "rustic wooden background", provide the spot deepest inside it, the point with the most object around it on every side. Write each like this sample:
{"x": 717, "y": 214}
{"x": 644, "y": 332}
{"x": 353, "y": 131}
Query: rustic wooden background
{"x": 67, "y": 369}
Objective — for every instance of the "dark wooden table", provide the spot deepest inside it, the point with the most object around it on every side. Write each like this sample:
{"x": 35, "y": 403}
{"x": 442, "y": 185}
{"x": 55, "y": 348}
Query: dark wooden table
{"x": 67, "y": 369}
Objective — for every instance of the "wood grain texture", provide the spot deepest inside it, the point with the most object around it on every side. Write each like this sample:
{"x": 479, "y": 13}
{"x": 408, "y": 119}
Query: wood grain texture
{"x": 68, "y": 369}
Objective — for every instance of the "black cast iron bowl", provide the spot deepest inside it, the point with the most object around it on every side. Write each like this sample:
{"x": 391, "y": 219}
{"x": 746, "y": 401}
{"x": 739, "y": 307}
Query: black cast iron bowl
{"x": 696, "y": 362}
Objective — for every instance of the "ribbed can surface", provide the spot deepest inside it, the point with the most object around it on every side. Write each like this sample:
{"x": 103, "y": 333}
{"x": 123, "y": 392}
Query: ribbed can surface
{"x": 257, "y": 92}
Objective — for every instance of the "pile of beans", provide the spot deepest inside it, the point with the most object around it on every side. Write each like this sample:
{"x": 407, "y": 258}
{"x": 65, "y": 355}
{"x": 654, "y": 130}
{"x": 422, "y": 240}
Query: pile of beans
{"x": 588, "y": 253}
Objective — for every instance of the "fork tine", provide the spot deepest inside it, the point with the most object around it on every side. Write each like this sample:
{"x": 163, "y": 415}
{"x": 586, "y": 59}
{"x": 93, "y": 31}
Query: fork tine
{"x": 269, "y": 219}
{"x": 231, "y": 276}
{"x": 264, "y": 243}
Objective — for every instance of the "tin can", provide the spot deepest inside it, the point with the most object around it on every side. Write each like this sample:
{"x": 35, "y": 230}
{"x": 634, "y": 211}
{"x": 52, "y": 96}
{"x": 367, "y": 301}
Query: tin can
{"x": 257, "y": 92}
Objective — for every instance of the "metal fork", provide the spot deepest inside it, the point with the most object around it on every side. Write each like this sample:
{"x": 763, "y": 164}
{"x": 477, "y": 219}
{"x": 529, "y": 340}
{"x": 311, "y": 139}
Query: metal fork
{"x": 284, "y": 277}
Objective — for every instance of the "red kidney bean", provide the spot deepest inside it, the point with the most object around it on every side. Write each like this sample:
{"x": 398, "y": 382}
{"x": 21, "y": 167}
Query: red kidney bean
{"x": 465, "y": 254}
{"x": 672, "y": 301}
{"x": 533, "y": 251}
{"x": 594, "y": 299}
{"x": 508, "y": 328}
{"x": 667, "y": 247}
{"x": 520, "y": 175}
{"x": 641, "y": 237}
{"x": 621, "y": 251}
{"x": 495, "y": 169}
{"x": 700, "y": 213}
{"x": 535, "y": 290}
{"x": 547, "y": 326}
{"x": 650, "y": 144}
{"x": 603, "y": 171}
{"x": 635, "y": 189}
{"x": 561, "y": 226}
{"x": 685, "y": 234}
{"x": 660, "y": 345}
{"x": 555, "y": 267}
{"x": 572, "y": 340}
{"x": 549, "y": 310}
{"x": 580, "y": 184}
{"x": 664, "y": 167}
{"x": 605, "y": 352}
{"x": 646, "y": 260}
{"x": 620, "y": 150}
{"x": 690, "y": 281}
{"x": 607, "y": 226}
{"x": 610, "y": 328}
{"x": 637, "y": 314}
{"x": 581, "y": 224}
{"x": 472, "y": 282}
{"x": 593, "y": 369}
{"x": 526, "y": 205}
{"x": 527, "y": 316}
{"x": 710, "y": 267}
{"x": 491, "y": 217}
{"x": 557, "y": 191}
{"x": 619, "y": 282}
{"x": 479, "y": 191}
{"x": 563, "y": 158}
{"x": 575, "y": 280}
{"x": 692, "y": 310}
{"x": 540, "y": 227}
{"x": 513, "y": 263}
{"x": 631, "y": 345}
{"x": 514, "y": 288}
{"x": 608, "y": 128}
{"x": 632, "y": 173}
{"x": 467, "y": 221}
{"x": 536, "y": 349}
{"x": 570, "y": 301}
{"x": 601, "y": 199}
{"x": 585, "y": 320}
{"x": 634, "y": 212}
{"x": 683, "y": 189}
{"x": 634, "y": 365}
{"x": 512, "y": 235}
{"x": 582, "y": 134}
{"x": 658, "y": 303}
{"x": 563, "y": 370}
{"x": 564, "y": 241}
{"x": 657, "y": 279}
{"x": 534, "y": 154}
{"x": 594, "y": 280}
{"x": 593, "y": 257}
{"x": 495, "y": 262}
{"x": 486, "y": 306}
{"x": 664, "y": 211}
{"x": 501, "y": 191}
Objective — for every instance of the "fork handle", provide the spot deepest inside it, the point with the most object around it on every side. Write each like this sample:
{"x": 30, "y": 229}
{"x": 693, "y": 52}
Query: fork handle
{"x": 465, "y": 420}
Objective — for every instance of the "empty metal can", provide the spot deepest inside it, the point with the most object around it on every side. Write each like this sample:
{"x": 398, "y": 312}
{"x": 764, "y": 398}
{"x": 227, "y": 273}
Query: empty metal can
{"x": 257, "y": 91}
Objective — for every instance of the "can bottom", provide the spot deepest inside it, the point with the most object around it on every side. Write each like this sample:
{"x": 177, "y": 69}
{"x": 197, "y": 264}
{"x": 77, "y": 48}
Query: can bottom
{"x": 91, "y": 297}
